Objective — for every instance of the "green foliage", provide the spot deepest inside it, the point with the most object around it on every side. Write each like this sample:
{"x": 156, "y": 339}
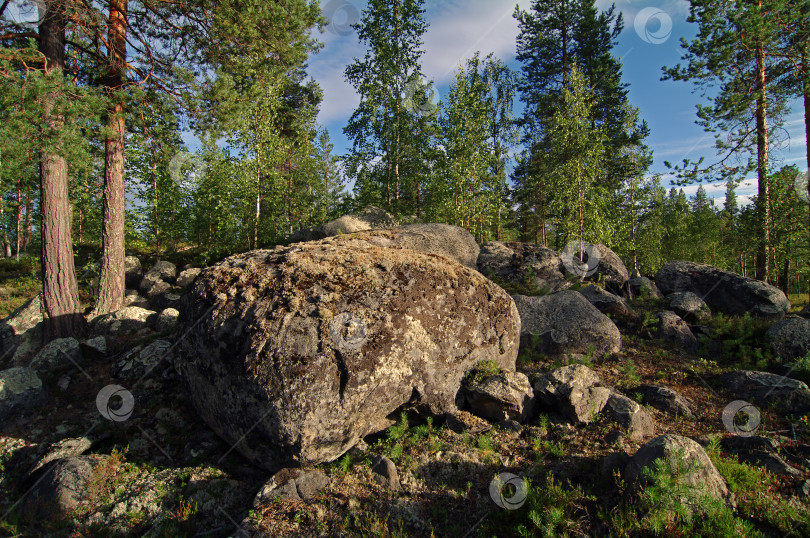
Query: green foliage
{"x": 482, "y": 371}
{"x": 742, "y": 339}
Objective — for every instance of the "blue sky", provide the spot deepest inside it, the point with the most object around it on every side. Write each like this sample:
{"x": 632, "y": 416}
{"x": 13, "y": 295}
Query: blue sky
{"x": 458, "y": 28}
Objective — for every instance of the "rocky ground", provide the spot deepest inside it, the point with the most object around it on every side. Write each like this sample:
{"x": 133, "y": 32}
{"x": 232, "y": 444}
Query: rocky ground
{"x": 635, "y": 407}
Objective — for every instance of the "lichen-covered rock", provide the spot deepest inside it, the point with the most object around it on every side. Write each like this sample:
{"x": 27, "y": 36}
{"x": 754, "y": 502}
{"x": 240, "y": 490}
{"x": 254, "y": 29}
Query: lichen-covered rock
{"x": 20, "y": 388}
{"x": 724, "y": 291}
{"x": 23, "y": 326}
{"x": 293, "y": 355}
{"x": 689, "y": 306}
{"x": 529, "y": 265}
{"x": 790, "y": 338}
{"x": 385, "y": 473}
{"x": 58, "y": 356}
{"x": 610, "y": 269}
{"x": 788, "y": 396}
{"x": 672, "y": 329}
{"x": 575, "y": 391}
{"x": 94, "y": 348}
{"x": 681, "y": 453}
{"x": 565, "y": 324}
{"x": 606, "y": 302}
{"x": 61, "y": 486}
{"x": 158, "y": 279}
{"x": 129, "y": 319}
{"x": 642, "y": 286}
{"x": 507, "y": 395}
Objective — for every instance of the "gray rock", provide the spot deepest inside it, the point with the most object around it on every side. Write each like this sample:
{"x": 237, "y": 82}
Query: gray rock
{"x": 529, "y": 265}
{"x": 689, "y": 306}
{"x": 162, "y": 270}
{"x": 575, "y": 391}
{"x": 370, "y": 218}
{"x": 58, "y": 356}
{"x": 142, "y": 361}
{"x": 133, "y": 272}
{"x": 292, "y": 484}
{"x": 187, "y": 276}
{"x": 167, "y": 320}
{"x": 309, "y": 348}
{"x": 64, "y": 448}
{"x": 610, "y": 269}
{"x": 790, "y": 338}
{"x": 789, "y": 396}
{"x": 385, "y": 473}
{"x": 154, "y": 288}
{"x": 636, "y": 421}
{"x": 63, "y": 486}
{"x": 674, "y": 330}
{"x": 772, "y": 462}
{"x": 565, "y": 324}
{"x": 805, "y": 312}
{"x": 606, "y": 302}
{"x": 680, "y": 452}
{"x": 162, "y": 301}
{"x": 665, "y": 399}
{"x": 642, "y": 286}
{"x": 129, "y": 319}
{"x": 507, "y": 395}
{"x": 724, "y": 291}
{"x": 20, "y": 388}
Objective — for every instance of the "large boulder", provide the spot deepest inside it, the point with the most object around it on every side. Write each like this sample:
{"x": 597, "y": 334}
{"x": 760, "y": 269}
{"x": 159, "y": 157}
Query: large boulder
{"x": 641, "y": 286}
{"x": 698, "y": 474}
{"x": 788, "y": 396}
{"x": 672, "y": 329}
{"x": 790, "y": 338}
{"x": 606, "y": 302}
{"x": 129, "y": 319}
{"x": 666, "y": 400}
{"x": 62, "y": 487}
{"x": 158, "y": 279}
{"x": 58, "y": 356}
{"x": 724, "y": 291}
{"x": 187, "y": 276}
{"x": 20, "y": 388}
{"x": 635, "y": 420}
{"x": 610, "y": 269}
{"x": 565, "y": 324}
{"x": 529, "y": 265}
{"x": 370, "y": 218}
{"x": 443, "y": 239}
{"x": 575, "y": 391}
{"x": 293, "y": 355}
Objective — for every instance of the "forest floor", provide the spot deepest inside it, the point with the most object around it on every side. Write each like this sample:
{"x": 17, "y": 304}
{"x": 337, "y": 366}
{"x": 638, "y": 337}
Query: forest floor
{"x": 168, "y": 475}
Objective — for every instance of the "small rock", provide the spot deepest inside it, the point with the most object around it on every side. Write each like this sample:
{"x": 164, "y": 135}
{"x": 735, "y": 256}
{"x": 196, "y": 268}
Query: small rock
{"x": 20, "y": 388}
{"x": 143, "y": 360}
{"x": 462, "y": 421}
{"x": 804, "y": 489}
{"x": 385, "y": 473}
{"x": 635, "y": 420}
{"x": 514, "y": 427}
{"x": 94, "y": 348}
{"x": 63, "y": 383}
{"x": 507, "y": 395}
{"x": 187, "y": 276}
{"x": 689, "y": 306}
{"x": 130, "y": 319}
{"x": 771, "y": 462}
{"x": 63, "y": 486}
{"x": 292, "y": 484}
{"x": 665, "y": 399}
{"x": 642, "y": 287}
{"x": 674, "y": 330}
{"x": 574, "y": 391}
{"x": 167, "y": 320}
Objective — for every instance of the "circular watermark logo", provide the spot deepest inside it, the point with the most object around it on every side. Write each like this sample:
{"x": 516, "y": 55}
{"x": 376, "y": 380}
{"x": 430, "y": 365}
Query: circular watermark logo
{"x": 342, "y": 16}
{"x": 187, "y": 169}
{"x": 800, "y": 183}
{"x": 421, "y": 97}
{"x": 581, "y": 258}
{"x": 653, "y": 25}
{"x": 508, "y": 491}
{"x": 348, "y": 331}
{"x": 106, "y": 398}
{"x": 750, "y": 418}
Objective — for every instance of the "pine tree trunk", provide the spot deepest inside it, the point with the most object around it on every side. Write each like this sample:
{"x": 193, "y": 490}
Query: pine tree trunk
{"x": 29, "y": 224}
{"x": 59, "y": 289}
{"x": 19, "y": 223}
{"x": 806, "y": 95}
{"x": 6, "y": 244}
{"x": 763, "y": 192}
{"x": 111, "y": 276}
